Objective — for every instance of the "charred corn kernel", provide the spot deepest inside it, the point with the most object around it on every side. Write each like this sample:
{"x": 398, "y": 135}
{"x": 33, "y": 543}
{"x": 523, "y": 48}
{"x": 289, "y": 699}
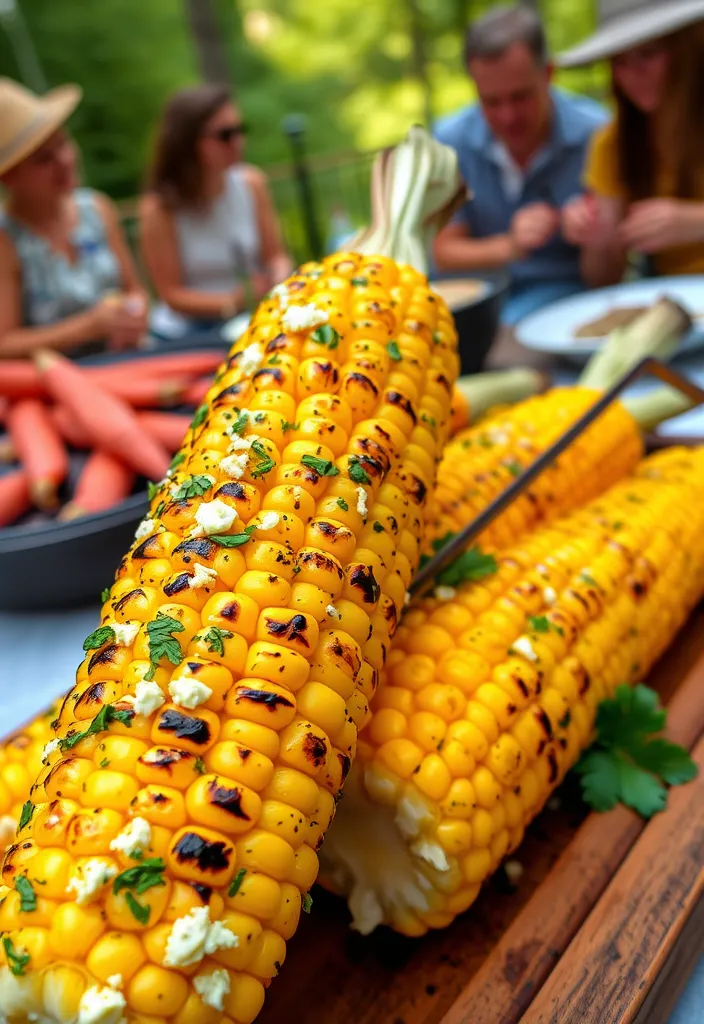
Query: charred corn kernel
{"x": 256, "y": 614}
{"x": 448, "y": 777}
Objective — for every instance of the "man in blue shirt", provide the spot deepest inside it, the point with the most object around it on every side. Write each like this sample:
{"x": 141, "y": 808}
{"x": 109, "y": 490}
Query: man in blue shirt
{"x": 522, "y": 150}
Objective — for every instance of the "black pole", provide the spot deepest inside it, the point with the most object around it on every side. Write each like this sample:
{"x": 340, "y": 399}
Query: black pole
{"x": 294, "y": 128}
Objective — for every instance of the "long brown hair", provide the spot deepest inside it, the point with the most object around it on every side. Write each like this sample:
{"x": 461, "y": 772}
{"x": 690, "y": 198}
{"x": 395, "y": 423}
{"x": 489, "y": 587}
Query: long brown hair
{"x": 679, "y": 126}
{"x": 175, "y": 174}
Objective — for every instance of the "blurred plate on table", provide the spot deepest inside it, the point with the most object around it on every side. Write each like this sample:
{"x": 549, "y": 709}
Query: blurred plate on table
{"x": 576, "y": 327}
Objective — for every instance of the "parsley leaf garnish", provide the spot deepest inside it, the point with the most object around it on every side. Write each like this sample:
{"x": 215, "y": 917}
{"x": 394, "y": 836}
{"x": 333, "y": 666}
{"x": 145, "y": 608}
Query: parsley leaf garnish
{"x": 28, "y": 897}
{"x": 394, "y": 351}
{"x": 178, "y": 458}
{"x": 306, "y": 902}
{"x": 100, "y": 723}
{"x": 341, "y": 503}
{"x": 26, "y": 814}
{"x": 323, "y": 467}
{"x": 232, "y": 540}
{"x": 193, "y": 487}
{"x": 514, "y": 468}
{"x": 359, "y": 281}
{"x": 236, "y": 882}
{"x": 141, "y": 877}
{"x": 542, "y": 624}
{"x": 16, "y": 961}
{"x": 586, "y": 578}
{"x": 201, "y": 413}
{"x": 214, "y": 638}
{"x": 378, "y": 528}
{"x": 472, "y": 565}
{"x": 139, "y": 911}
{"x": 326, "y": 335}
{"x": 161, "y": 643}
{"x": 629, "y": 762}
{"x": 104, "y": 595}
{"x": 286, "y": 426}
{"x": 240, "y": 423}
{"x": 430, "y": 420}
{"x": 153, "y": 489}
{"x": 356, "y": 471}
{"x": 199, "y": 766}
{"x": 103, "y": 635}
{"x": 265, "y": 463}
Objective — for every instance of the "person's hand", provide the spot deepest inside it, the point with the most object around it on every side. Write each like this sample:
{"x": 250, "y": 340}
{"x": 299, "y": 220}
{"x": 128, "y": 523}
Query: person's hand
{"x": 533, "y": 226}
{"x": 655, "y": 224}
{"x": 121, "y": 320}
{"x": 580, "y": 221}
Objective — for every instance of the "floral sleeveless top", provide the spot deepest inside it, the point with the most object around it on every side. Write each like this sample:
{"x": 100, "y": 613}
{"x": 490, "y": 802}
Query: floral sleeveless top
{"x": 53, "y": 287}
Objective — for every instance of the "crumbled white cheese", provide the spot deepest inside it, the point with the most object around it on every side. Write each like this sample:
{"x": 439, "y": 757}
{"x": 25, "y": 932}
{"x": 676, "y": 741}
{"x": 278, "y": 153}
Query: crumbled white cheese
{"x": 202, "y": 576}
{"x": 135, "y": 838}
{"x": 269, "y": 520}
{"x": 94, "y": 874}
{"x": 212, "y": 988}
{"x": 407, "y": 599}
{"x": 147, "y": 697}
{"x": 115, "y": 981}
{"x": 49, "y": 749}
{"x": 193, "y": 936}
{"x": 125, "y": 632}
{"x": 333, "y": 612}
{"x": 214, "y": 516}
{"x": 524, "y": 646}
{"x": 239, "y": 443}
{"x": 145, "y": 528}
{"x": 101, "y": 1006}
{"x": 280, "y": 292}
{"x": 513, "y": 869}
{"x": 235, "y": 466}
{"x": 549, "y": 595}
{"x": 52, "y": 820}
{"x": 431, "y": 853}
{"x": 303, "y": 318}
{"x": 362, "y": 501}
{"x": 498, "y": 436}
{"x": 445, "y": 593}
{"x": 188, "y": 692}
{"x": 252, "y": 359}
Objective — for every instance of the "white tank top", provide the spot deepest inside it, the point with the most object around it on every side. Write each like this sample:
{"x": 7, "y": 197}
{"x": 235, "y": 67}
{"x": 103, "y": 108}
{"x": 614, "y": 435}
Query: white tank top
{"x": 218, "y": 246}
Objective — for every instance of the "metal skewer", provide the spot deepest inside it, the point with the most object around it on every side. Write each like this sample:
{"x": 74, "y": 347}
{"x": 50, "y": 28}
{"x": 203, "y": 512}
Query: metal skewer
{"x": 461, "y": 541}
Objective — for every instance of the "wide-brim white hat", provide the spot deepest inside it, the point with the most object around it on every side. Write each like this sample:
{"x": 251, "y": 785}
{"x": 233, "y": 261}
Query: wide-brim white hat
{"x": 27, "y": 120}
{"x": 627, "y": 23}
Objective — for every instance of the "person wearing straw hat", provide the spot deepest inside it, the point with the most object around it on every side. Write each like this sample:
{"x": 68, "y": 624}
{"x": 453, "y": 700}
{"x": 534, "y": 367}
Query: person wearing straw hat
{"x": 67, "y": 280}
{"x": 645, "y": 170}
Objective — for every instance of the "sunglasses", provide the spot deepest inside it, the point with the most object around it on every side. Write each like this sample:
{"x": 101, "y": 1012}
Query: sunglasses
{"x": 229, "y": 132}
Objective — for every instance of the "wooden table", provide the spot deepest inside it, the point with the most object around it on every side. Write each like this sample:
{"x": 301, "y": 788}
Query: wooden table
{"x": 604, "y": 926}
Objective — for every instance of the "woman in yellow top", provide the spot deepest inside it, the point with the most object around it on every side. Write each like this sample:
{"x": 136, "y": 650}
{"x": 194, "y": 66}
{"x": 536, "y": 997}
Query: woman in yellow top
{"x": 645, "y": 171}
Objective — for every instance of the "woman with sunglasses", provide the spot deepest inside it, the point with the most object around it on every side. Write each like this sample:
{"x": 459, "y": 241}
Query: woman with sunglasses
{"x": 645, "y": 172}
{"x": 210, "y": 236}
{"x": 67, "y": 280}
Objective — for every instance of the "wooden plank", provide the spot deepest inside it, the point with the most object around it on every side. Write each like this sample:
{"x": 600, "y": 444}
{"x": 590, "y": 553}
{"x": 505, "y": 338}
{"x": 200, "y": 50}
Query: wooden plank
{"x": 505, "y": 984}
{"x": 615, "y": 958}
{"x": 387, "y": 979}
{"x": 670, "y": 983}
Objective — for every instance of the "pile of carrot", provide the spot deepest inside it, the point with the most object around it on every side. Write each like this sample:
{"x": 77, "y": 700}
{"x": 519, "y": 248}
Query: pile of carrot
{"x": 115, "y": 412}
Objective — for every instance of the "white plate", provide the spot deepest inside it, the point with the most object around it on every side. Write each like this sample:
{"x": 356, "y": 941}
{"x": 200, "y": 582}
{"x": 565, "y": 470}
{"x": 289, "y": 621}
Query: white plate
{"x": 552, "y": 328}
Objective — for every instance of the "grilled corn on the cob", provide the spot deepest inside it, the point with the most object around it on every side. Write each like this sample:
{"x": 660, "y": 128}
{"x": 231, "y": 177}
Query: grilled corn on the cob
{"x": 198, "y": 759}
{"x": 491, "y": 694}
{"x": 20, "y": 762}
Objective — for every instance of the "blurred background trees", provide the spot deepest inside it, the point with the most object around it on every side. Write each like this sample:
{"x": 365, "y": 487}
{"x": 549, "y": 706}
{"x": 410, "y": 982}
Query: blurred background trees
{"x": 360, "y": 71}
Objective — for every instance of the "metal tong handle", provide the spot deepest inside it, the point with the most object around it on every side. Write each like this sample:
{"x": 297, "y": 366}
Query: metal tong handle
{"x": 461, "y": 541}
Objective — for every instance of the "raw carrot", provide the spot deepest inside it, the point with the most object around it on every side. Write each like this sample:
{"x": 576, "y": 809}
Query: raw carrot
{"x": 167, "y": 427}
{"x": 108, "y": 420}
{"x": 104, "y": 481}
{"x": 143, "y": 394}
{"x": 69, "y": 427}
{"x": 14, "y": 496}
{"x": 170, "y": 364}
{"x": 19, "y": 379}
{"x": 195, "y": 394}
{"x": 40, "y": 450}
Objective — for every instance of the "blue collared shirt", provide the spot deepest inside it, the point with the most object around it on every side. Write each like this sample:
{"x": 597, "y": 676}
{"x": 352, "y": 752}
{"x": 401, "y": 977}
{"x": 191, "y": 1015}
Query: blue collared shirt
{"x": 554, "y": 176}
